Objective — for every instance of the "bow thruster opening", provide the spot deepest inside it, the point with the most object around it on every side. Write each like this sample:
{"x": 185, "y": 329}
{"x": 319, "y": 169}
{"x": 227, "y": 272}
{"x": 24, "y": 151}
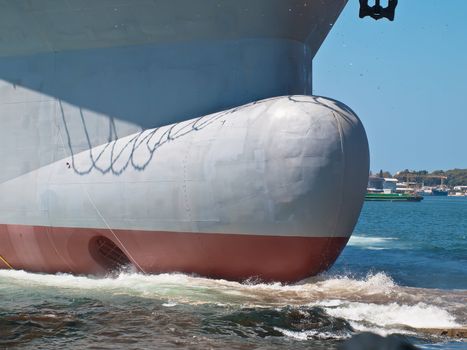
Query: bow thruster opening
{"x": 108, "y": 254}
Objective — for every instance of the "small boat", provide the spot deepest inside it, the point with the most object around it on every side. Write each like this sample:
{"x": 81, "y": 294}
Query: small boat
{"x": 393, "y": 197}
{"x": 440, "y": 191}
{"x": 388, "y": 189}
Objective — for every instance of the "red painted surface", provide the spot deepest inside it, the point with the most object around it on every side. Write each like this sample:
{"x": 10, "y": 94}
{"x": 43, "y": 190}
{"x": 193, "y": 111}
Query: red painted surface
{"x": 229, "y": 256}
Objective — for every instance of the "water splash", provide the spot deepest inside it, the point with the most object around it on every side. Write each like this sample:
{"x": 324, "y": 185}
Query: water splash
{"x": 374, "y": 303}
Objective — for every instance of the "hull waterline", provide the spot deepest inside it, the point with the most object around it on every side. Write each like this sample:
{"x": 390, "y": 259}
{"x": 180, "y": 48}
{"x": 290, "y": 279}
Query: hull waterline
{"x": 229, "y": 256}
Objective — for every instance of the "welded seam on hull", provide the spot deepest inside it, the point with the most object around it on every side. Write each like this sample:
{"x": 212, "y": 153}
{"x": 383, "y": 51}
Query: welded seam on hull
{"x": 185, "y": 181}
{"x": 59, "y": 137}
{"x": 341, "y": 197}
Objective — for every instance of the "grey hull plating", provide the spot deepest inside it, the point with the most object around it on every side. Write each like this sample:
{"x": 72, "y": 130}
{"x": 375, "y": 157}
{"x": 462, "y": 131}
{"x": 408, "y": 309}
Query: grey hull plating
{"x": 101, "y": 70}
{"x": 292, "y": 166}
{"x": 101, "y": 136}
{"x": 276, "y": 175}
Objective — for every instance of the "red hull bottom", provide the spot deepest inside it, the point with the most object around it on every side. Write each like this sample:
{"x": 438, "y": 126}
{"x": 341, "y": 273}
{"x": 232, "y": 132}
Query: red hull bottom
{"x": 229, "y": 256}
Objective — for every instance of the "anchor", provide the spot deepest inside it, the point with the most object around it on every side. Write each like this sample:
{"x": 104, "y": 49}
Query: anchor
{"x": 377, "y": 11}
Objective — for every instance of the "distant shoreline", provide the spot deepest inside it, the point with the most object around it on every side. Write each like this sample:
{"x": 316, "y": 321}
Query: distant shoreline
{"x": 449, "y": 178}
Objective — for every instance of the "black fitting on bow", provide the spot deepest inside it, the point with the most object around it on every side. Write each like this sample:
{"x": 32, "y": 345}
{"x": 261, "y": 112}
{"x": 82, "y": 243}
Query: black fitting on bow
{"x": 377, "y": 11}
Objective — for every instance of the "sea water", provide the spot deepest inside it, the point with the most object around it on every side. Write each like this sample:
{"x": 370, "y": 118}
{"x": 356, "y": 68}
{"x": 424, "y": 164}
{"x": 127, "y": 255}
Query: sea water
{"x": 404, "y": 269}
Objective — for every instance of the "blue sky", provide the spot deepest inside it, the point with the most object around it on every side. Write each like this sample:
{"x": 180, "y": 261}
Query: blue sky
{"x": 406, "y": 80}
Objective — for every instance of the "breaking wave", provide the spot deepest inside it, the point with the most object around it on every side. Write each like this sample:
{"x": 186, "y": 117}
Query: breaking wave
{"x": 374, "y": 303}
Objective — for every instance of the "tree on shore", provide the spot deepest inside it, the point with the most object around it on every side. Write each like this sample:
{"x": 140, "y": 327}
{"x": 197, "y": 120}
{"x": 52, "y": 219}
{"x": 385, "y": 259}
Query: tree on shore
{"x": 384, "y": 174}
{"x": 455, "y": 177}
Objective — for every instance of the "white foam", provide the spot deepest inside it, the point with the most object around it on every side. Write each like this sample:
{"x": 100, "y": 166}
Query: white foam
{"x": 344, "y": 287}
{"x": 374, "y": 302}
{"x": 197, "y": 289}
{"x": 374, "y": 243}
{"x": 419, "y": 315}
{"x": 169, "y": 304}
{"x": 305, "y": 335}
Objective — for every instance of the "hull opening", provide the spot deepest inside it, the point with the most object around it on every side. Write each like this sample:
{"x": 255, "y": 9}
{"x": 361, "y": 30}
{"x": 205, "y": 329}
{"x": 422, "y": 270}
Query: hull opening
{"x": 107, "y": 254}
